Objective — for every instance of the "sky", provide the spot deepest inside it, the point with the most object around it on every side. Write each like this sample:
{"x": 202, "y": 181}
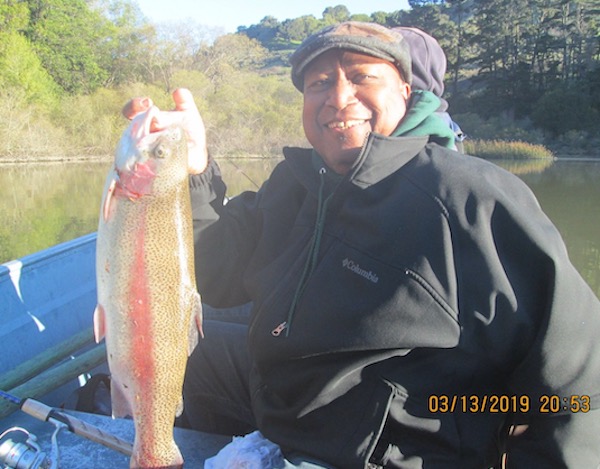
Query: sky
{"x": 229, "y": 14}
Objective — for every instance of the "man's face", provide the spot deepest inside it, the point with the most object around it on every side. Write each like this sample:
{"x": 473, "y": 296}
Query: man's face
{"x": 346, "y": 96}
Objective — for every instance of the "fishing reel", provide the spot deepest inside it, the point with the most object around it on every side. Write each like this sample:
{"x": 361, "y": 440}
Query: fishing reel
{"x": 27, "y": 454}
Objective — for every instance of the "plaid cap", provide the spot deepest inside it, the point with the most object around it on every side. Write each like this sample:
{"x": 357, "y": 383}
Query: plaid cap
{"x": 365, "y": 38}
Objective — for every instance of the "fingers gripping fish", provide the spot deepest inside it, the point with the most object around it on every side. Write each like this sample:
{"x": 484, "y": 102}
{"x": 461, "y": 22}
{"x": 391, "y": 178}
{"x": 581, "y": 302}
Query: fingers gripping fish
{"x": 149, "y": 310}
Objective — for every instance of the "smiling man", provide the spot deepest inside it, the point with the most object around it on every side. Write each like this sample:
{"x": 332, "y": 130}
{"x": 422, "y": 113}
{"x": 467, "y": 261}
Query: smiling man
{"x": 346, "y": 97}
{"x": 356, "y": 80}
{"x": 410, "y": 304}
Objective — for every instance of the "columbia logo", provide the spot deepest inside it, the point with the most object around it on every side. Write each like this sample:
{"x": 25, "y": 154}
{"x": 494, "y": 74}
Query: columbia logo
{"x": 354, "y": 267}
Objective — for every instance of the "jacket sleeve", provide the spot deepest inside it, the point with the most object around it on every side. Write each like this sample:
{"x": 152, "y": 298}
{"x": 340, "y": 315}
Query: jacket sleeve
{"x": 533, "y": 317}
{"x": 224, "y": 236}
{"x": 561, "y": 377}
{"x": 559, "y": 369}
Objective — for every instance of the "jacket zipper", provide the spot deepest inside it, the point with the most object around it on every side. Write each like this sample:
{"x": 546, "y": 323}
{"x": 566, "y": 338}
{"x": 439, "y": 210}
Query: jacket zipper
{"x": 312, "y": 257}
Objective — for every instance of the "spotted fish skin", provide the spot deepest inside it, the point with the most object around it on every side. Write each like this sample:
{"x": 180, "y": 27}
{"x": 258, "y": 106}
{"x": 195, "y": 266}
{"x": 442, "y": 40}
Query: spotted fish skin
{"x": 149, "y": 310}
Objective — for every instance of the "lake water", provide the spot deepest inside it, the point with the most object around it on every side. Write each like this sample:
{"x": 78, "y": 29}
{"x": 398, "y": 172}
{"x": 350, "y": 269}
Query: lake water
{"x": 45, "y": 204}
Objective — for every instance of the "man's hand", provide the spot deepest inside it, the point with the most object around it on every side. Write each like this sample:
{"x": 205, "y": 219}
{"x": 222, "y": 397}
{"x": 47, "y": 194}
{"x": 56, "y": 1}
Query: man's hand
{"x": 186, "y": 115}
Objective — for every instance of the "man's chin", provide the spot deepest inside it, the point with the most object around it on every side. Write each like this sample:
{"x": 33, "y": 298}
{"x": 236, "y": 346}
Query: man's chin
{"x": 343, "y": 161}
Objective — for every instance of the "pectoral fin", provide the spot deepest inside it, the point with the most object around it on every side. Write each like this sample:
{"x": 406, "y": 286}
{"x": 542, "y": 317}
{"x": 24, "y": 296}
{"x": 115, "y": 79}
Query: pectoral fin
{"x": 195, "y": 323}
{"x": 99, "y": 323}
{"x": 108, "y": 197}
{"x": 179, "y": 410}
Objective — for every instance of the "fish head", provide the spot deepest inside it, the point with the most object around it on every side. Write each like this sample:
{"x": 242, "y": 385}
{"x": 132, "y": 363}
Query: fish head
{"x": 148, "y": 161}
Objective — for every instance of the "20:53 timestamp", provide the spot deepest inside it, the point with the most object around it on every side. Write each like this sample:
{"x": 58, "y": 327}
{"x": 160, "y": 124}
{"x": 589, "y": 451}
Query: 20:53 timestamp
{"x": 553, "y": 403}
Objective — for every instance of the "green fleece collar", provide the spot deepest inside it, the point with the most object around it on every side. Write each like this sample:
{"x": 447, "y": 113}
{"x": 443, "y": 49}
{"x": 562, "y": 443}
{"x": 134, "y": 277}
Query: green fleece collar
{"x": 420, "y": 119}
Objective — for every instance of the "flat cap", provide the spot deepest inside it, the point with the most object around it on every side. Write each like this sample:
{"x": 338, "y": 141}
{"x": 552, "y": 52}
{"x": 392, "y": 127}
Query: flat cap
{"x": 365, "y": 38}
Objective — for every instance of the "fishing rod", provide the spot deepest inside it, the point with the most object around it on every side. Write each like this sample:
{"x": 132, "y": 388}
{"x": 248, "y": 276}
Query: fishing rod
{"x": 229, "y": 160}
{"x": 45, "y": 413}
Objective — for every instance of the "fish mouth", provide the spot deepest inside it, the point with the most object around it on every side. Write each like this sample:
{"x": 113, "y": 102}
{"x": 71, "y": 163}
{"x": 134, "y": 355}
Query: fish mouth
{"x": 152, "y": 122}
{"x": 140, "y": 137}
{"x": 149, "y": 123}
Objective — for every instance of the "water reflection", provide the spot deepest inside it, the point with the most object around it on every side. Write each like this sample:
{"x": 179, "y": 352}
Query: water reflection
{"x": 42, "y": 205}
{"x": 569, "y": 193}
{"x": 45, "y": 204}
{"x": 524, "y": 167}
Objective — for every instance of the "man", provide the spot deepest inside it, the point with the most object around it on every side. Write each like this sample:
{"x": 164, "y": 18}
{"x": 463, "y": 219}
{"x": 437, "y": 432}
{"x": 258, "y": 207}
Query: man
{"x": 410, "y": 304}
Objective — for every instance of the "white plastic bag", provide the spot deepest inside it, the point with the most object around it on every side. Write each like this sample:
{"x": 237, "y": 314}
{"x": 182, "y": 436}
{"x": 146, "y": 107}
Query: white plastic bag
{"x": 252, "y": 451}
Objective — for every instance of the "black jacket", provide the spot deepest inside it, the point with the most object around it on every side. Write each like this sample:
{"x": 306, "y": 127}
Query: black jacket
{"x": 420, "y": 282}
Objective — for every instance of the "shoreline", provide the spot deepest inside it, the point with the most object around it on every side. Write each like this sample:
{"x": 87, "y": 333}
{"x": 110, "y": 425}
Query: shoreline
{"x": 11, "y": 161}
{"x": 7, "y": 161}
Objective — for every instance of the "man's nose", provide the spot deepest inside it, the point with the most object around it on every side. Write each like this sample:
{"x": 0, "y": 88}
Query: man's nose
{"x": 342, "y": 94}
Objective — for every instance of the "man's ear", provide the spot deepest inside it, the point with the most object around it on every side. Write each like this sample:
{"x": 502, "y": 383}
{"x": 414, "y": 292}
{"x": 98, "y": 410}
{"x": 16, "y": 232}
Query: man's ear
{"x": 405, "y": 90}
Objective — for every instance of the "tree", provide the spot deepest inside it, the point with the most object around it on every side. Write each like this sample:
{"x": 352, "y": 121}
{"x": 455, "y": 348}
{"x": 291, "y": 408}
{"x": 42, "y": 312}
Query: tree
{"x": 579, "y": 32}
{"x": 299, "y": 28}
{"x": 337, "y": 14}
{"x": 227, "y": 53}
{"x": 458, "y": 51}
{"x": 379, "y": 17}
{"x": 67, "y": 36}
{"x": 503, "y": 27}
{"x": 264, "y": 32}
{"x": 422, "y": 3}
{"x": 128, "y": 37}
{"x": 564, "y": 109}
{"x": 360, "y": 17}
{"x": 176, "y": 46}
{"x": 251, "y": 113}
{"x": 22, "y": 72}
{"x": 434, "y": 19}
{"x": 14, "y": 15}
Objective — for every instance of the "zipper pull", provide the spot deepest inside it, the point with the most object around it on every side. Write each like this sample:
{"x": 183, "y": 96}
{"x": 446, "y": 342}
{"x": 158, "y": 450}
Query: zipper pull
{"x": 279, "y": 329}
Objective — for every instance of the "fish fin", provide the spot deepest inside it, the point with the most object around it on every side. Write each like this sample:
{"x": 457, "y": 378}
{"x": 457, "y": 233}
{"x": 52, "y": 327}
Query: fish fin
{"x": 179, "y": 410}
{"x": 118, "y": 400}
{"x": 195, "y": 323}
{"x": 108, "y": 197}
{"x": 99, "y": 323}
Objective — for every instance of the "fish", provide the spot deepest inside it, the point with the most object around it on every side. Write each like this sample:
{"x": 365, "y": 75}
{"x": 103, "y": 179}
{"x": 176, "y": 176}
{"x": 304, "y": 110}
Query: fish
{"x": 149, "y": 311}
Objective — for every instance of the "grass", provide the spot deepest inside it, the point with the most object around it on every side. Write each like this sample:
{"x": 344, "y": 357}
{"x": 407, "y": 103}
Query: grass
{"x": 494, "y": 149}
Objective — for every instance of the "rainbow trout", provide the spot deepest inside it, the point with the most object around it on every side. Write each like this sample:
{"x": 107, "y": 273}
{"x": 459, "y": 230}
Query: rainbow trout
{"x": 149, "y": 309}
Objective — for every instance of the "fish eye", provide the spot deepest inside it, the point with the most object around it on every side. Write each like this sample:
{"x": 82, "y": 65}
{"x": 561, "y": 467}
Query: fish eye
{"x": 161, "y": 152}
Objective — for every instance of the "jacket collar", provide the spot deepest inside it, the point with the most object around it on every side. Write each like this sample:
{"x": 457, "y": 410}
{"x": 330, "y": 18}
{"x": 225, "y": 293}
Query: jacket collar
{"x": 379, "y": 157}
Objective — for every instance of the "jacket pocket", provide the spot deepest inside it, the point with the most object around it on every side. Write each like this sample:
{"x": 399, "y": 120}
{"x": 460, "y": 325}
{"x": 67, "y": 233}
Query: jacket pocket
{"x": 412, "y": 437}
{"x": 354, "y": 301}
